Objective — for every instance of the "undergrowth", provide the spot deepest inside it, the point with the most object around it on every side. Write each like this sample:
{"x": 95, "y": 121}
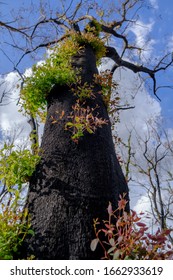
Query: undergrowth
{"x": 124, "y": 236}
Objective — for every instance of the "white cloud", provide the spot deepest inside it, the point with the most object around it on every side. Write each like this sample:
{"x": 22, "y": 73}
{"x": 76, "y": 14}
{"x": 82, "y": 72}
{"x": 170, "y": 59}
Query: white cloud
{"x": 143, "y": 204}
{"x": 146, "y": 109}
{"x": 170, "y": 43}
{"x": 154, "y": 4}
{"x": 10, "y": 117}
{"x": 133, "y": 92}
{"x": 142, "y": 32}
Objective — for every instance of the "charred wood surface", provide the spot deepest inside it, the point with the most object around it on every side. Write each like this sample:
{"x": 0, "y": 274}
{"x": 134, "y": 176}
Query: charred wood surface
{"x": 73, "y": 183}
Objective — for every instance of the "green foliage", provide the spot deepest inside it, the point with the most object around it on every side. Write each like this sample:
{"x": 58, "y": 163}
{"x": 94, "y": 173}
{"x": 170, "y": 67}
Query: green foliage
{"x": 94, "y": 27}
{"x": 13, "y": 229}
{"x": 56, "y": 69}
{"x": 126, "y": 237}
{"x": 15, "y": 169}
{"x": 16, "y": 166}
{"x": 95, "y": 42}
{"x": 82, "y": 91}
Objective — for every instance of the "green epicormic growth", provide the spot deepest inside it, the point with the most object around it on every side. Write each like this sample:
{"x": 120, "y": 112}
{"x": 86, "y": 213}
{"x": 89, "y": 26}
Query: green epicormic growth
{"x": 56, "y": 69}
{"x": 16, "y": 167}
{"x": 14, "y": 226}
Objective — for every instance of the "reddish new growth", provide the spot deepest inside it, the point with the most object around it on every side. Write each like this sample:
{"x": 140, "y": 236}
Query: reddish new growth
{"x": 83, "y": 120}
{"x": 124, "y": 237}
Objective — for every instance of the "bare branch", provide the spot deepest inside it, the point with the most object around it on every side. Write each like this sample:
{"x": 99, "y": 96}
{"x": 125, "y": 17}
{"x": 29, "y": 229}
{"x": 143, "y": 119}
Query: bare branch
{"x": 13, "y": 29}
{"x": 44, "y": 21}
{"x": 42, "y": 45}
{"x": 113, "y": 54}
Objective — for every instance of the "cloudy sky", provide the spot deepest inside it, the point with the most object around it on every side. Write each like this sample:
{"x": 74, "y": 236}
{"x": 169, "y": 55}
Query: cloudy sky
{"x": 153, "y": 33}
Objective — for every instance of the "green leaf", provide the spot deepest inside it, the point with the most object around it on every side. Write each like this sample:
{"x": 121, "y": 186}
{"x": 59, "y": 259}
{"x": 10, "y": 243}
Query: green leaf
{"x": 116, "y": 255}
{"x": 94, "y": 243}
{"x": 112, "y": 241}
{"x": 30, "y": 231}
{"x": 70, "y": 124}
{"x": 89, "y": 130}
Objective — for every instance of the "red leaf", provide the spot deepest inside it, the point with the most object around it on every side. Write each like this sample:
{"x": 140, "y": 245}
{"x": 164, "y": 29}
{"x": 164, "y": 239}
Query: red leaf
{"x": 158, "y": 231}
{"x": 152, "y": 237}
{"x": 108, "y": 226}
{"x": 167, "y": 231}
{"x": 139, "y": 224}
{"x": 144, "y": 238}
{"x": 122, "y": 204}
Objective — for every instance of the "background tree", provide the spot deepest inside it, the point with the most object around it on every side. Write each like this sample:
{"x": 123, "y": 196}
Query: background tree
{"x": 153, "y": 171}
{"x": 78, "y": 173}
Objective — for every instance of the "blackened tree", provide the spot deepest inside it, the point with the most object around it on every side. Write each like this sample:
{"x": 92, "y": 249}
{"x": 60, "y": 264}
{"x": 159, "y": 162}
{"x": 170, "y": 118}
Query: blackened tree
{"x": 78, "y": 173}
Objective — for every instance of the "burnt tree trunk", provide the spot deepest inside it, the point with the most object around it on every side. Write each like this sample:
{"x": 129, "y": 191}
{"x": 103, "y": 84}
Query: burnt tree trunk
{"x": 73, "y": 183}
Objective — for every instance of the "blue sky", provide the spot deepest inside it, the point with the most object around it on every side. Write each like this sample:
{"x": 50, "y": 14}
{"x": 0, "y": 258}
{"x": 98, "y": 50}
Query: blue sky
{"x": 159, "y": 16}
{"x": 162, "y": 33}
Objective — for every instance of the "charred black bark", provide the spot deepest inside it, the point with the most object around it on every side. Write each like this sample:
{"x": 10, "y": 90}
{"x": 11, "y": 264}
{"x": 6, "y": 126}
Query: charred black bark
{"x": 73, "y": 183}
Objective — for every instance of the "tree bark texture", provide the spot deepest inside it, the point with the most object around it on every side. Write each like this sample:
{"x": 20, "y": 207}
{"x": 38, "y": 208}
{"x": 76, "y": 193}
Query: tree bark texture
{"x": 73, "y": 183}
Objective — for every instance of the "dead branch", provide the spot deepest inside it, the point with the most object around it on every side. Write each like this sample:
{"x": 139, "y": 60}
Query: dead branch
{"x": 113, "y": 54}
